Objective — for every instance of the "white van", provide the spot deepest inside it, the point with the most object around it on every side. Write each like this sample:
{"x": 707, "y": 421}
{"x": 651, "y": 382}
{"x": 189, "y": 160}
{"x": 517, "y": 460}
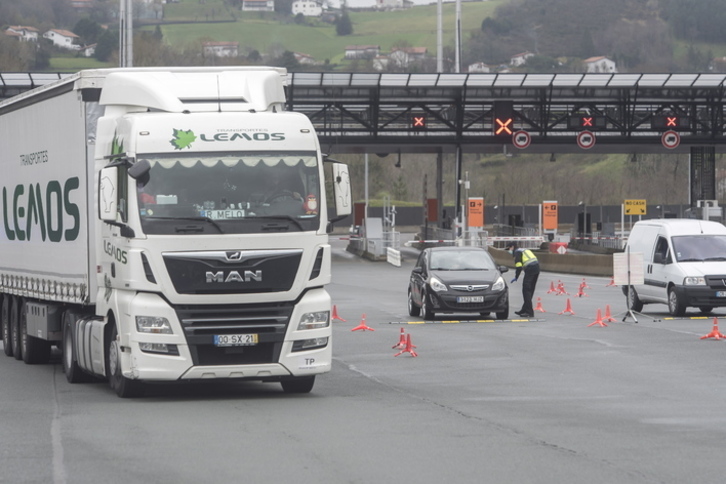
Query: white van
{"x": 684, "y": 264}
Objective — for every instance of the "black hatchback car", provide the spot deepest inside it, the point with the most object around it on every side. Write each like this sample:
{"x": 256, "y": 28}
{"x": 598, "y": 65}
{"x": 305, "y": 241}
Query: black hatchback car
{"x": 457, "y": 280}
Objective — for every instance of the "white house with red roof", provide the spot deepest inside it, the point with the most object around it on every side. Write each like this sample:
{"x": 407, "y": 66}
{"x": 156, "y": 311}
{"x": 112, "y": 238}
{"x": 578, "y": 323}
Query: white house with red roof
{"x": 22, "y": 32}
{"x": 220, "y": 49}
{"x": 520, "y": 59}
{"x": 600, "y": 64}
{"x": 62, "y": 38}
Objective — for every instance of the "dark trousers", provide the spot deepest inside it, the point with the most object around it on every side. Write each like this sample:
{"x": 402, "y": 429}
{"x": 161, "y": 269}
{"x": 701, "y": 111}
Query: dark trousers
{"x": 531, "y": 274}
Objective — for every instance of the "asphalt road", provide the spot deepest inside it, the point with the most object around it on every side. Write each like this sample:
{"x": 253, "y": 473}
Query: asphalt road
{"x": 549, "y": 400}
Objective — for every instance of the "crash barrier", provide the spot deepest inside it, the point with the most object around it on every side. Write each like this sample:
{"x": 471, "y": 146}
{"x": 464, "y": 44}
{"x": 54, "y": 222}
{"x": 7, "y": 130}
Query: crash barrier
{"x": 584, "y": 264}
{"x": 393, "y": 257}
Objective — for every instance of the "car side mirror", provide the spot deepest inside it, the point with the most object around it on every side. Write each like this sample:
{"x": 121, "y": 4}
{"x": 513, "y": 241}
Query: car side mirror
{"x": 503, "y": 269}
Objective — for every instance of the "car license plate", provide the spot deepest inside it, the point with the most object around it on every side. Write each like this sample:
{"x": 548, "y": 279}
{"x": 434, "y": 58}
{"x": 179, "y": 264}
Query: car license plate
{"x": 720, "y": 293}
{"x": 469, "y": 299}
{"x": 235, "y": 339}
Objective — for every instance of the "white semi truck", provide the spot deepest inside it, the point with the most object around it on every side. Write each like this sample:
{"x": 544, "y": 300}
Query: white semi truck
{"x": 166, "y": 224}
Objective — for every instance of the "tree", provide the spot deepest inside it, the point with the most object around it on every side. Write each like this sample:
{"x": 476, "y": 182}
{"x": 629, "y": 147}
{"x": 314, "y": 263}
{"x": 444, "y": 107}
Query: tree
{"x": 88, "y": 30}
{"x": 106, "y": 45}
{"x": 344, "y": 26}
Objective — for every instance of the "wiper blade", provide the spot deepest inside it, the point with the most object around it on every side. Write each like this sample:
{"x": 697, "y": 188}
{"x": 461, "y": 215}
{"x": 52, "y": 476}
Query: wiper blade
{"x": 280, "y": 226}
{"x": 190, "y": 228}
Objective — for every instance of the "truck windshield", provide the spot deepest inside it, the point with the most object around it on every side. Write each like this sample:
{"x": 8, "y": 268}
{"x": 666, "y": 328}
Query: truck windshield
{"x": 230, "y": 193}
{"x": 699, "y": 248}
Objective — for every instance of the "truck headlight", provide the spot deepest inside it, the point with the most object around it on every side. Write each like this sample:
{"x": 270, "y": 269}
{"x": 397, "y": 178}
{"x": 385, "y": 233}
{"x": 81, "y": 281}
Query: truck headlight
{"x": 316, "y": 320}
{"x": 694, "y": 281}
{"x": 153, "y": 324}
{"x": 437, "y": 285}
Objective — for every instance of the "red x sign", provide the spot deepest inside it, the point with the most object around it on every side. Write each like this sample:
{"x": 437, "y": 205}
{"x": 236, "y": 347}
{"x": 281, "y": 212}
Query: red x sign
{"x": 503, "y": 127}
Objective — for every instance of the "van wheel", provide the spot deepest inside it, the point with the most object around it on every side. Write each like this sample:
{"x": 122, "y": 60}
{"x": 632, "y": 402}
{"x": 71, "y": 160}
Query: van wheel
{"x": 706, "y": 309}
{"x": 633, "y": 301}
{"x": 675, "y": 305}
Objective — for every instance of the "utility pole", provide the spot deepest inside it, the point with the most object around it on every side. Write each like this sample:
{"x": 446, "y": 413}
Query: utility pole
{"x": 126, "y": 33}
{"x": 439, "y": 38}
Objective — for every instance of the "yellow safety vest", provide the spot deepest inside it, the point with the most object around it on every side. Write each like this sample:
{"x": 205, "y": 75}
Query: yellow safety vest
{"x": 527, "y": 258}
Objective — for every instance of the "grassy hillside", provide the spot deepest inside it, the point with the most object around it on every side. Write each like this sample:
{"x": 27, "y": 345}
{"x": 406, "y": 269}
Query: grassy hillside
{"x": 261, "y": 32}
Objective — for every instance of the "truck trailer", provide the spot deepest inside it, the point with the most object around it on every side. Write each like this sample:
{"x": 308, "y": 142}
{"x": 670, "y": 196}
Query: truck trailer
{"x": 167, "y": 225}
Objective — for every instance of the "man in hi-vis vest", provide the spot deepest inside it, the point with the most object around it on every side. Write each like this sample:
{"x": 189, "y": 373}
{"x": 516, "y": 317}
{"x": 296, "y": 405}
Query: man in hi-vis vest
{"x": 525, "y": 260}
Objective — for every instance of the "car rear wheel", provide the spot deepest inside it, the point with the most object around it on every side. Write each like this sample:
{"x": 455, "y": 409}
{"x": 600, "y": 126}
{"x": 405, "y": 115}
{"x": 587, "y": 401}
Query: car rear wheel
{"x": 413, "y": 310}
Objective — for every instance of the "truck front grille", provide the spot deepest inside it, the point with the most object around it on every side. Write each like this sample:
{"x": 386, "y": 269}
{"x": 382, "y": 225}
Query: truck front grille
{"x": 202, "y": 323}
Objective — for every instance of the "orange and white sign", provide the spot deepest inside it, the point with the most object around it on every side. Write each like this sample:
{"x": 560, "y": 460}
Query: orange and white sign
{"x": 475, "y": 212}
{"x": 549, "y": 215}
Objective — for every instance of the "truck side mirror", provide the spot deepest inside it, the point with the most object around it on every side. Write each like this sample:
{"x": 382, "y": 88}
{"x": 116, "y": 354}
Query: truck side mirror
{"x": 341, "y": 191}
{"x": 108, "y": 194}
{"x": 139, "y": 171}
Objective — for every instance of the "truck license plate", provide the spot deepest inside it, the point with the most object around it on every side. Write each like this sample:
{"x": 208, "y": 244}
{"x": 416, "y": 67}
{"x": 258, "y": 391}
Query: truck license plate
{"x": 235, "y": 339}
{"x": 720, "y": 293}
{"x": 470, "y": 299}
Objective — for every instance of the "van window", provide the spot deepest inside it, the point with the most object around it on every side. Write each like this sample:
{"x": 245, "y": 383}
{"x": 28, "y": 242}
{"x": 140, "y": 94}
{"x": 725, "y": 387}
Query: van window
{"x": 662, "y": 255}
{"x": 698, "y": 248}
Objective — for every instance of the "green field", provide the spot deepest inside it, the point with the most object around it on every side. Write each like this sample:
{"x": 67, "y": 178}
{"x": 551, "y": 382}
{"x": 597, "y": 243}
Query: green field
{"x": 262, "y": 32}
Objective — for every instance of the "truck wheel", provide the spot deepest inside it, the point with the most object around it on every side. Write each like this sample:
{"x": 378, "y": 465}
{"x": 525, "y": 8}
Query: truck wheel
{"x": 413, "y": 310}
{"x": 633, "y": 301}
{"x": 675, "y": 305}
{"x": 426, "y": 307}
{"x": 34, "y": 350}
{"x": 124, "y": 387}
{"x": 303, "y": 384}
{"x": 5, "y": 323}
{"x": 15, "y": 327}
{"x": 74, "y": 373}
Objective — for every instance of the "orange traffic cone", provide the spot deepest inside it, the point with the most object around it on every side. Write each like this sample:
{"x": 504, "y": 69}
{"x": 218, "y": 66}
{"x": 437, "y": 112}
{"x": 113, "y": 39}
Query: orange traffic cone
{"x": 335, "y": 314}
{"x": 611, "y": 283}
{"x": 583, "y": 284}
{"x": 581, "y": 290}
{"x": 715, "y": 333}
{"x": 362, "y": 325}
{"x": 568, "y": 308}
{"x": 608, "y": 317}
{"x": 552, "y": 288}
{"x": 539, "y": 307}
{"x": 561, "y": 288}
{"x": 409, "y": 347}
{"x": 599, "y": 320}
{"x": 401, "y": 341}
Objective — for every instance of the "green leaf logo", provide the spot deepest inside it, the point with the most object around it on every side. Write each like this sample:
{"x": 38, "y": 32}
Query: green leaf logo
{"x": 183, "y": 139}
